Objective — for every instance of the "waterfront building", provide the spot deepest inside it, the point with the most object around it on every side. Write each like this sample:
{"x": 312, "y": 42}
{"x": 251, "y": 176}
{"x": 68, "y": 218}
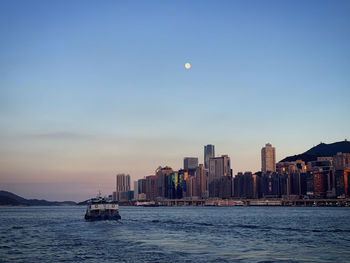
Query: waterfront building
{"x": 202, "y": 179}
{"x": 151, "y": 187}
{"x": 190, "y": 186}
{"x": 320, "y": 184}
{"x": 237, "y": 185}
{"x": 183, "y": 176}
{"x": 296, "y": 184}
{"x": 219, "y": 167}
{"x": 141, "y": 186}
{"x": 243, "y": 185}
{"x": 180, "y": 186}
{"x": 136, "y": 190}
{"x": 126, "y": 196}
{"x": 341, "y": 163}
{"x": 142, "y": 197}
{"x": 162, "y": 184}
{"x": 197, "y": 183}
{"x": 309, "y": 184}
{"x": 221, "y": 187}
{"x": 175, "y": 184}
{"x": 271, "y": 185}
{"x": 342, "y": 178}
{"x": 268, "y": 158}
{"x": 122, "y": 186}
{"x": 324, "y": 177}
{"x": 256, "y": 185}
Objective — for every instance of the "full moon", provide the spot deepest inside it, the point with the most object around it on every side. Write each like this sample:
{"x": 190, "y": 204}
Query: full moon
{"x": 187, "y": 65}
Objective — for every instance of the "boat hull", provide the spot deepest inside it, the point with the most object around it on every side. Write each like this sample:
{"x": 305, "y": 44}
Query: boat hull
{"x": 101, "y": 217}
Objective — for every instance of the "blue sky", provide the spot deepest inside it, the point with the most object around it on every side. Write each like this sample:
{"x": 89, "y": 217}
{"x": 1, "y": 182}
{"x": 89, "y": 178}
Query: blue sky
{"x": 92, "y": 88}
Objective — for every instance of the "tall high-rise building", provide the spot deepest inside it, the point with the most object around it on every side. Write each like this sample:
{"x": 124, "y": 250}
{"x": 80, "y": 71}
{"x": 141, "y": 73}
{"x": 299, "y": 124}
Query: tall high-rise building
{"x": 141, "y": 185}
{"x": 209, "y": 152}
{"x": 123, "y": 183}
{"x": 136, "y": 190}
{"x": 268, "y": 158}
{"x": 151, "y": 187}
{"x": 190, "y": 163}
{"x": 218, "y": 167}
{"x": 203, "y": 180}
{"x": 122, "y": 186}
{"x": 196, "y": 185}
{"x": 220, "y": 179}
{"x": 162, "y": 184}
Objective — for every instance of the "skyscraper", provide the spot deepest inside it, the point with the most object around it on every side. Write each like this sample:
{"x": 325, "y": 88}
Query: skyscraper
{"x": 209, "y": 152}
{"x": 136, "y": 190}
{"x": 122, "y": 184}
{"x": 268, "y": 158}
{"x": 220, "y": 179}
{"x": 151, "y": 187}
{"x": 190, "y": 163}
{"x": 162, "y": 183}
{"x": 219, "y": 166}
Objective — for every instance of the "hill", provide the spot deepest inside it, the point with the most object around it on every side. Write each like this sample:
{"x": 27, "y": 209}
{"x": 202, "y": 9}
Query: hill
{"x": 84, "y": 202}
{"x": 320, "y": 150}
{"x": 8, "y": 198}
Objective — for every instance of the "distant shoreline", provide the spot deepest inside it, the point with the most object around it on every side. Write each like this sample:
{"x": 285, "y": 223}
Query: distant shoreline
{"x": 214, "y": 203}
{"x": 243, "y": 202}
{"x": 9, "y": 199}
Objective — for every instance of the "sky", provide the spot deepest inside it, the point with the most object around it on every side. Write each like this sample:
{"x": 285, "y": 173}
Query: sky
{"x": 89, "y": 89}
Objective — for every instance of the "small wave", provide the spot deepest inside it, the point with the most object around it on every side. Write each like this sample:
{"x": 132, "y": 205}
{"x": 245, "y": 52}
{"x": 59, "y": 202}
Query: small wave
{"x": 332, "y": 230}
{"x": 203, "y": 224}
{"x": 17, "y": 227}
{"x": 172, "y": 222}
{"x": 339, "y": 230}
{"x": 247, "y": 226}
{"x": 6, "y": 247}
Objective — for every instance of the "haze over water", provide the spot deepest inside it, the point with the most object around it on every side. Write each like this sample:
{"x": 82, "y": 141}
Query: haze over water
{"x": 176, "y": 234}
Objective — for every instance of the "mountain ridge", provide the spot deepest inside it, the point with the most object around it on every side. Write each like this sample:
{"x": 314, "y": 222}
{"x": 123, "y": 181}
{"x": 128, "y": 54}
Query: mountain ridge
{"x": 8, "y": 198}
{"x": 320, "y": 150}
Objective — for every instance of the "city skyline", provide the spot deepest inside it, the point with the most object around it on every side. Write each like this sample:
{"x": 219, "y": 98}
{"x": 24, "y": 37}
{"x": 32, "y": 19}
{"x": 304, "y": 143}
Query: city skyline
{"x": 95, "y": 89}
{"x": 321, "y": 172}
{"x": 126, "y": 185}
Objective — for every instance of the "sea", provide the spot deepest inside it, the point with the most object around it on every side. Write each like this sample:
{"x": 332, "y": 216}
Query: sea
{"x": 176, "y": 234}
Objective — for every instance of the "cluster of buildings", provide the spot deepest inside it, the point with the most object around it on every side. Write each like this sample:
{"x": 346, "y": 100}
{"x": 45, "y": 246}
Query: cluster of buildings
{"x": 327, "y": 177}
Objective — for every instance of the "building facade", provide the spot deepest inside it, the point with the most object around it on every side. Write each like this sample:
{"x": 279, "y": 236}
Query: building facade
{"x": 151, "y": 187}
{"x": 219, "y": 166}
{"x": 122, "y": 186}
{"x": 268, "y": 159}
{"x": 190, "y": 163}
{"x": 209, "y": 152}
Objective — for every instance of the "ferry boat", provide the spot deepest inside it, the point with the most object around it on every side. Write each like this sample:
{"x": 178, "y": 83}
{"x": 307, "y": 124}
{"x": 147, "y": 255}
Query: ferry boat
{"x": 102, "y": 209}
{"x": 147, "y": 204}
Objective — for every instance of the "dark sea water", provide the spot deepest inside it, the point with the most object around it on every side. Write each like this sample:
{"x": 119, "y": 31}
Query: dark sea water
{"x": 176, "y": 234}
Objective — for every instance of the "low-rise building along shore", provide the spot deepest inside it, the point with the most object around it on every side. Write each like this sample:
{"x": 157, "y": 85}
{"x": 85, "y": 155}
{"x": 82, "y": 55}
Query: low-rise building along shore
{"x": 345, "y": 202}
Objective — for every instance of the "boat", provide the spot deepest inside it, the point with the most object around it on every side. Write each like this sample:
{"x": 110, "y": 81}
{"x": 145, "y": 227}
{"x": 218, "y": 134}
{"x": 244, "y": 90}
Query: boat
{"x": 147, "y": 204}
{"x": 101, "y": 208}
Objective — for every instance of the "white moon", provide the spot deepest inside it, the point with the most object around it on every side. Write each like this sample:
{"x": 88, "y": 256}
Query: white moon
{"x": 187, "y": 65}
